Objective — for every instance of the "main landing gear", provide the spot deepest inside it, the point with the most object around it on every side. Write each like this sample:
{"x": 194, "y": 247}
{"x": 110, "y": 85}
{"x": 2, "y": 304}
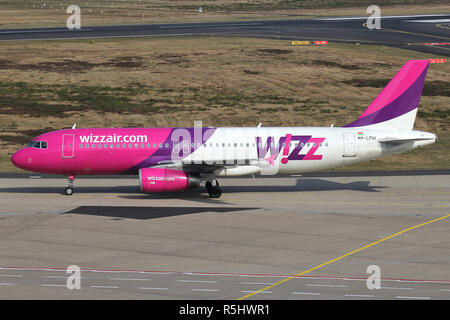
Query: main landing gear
{"x": 213, "y": 190}
{"x": 69, "y": 190}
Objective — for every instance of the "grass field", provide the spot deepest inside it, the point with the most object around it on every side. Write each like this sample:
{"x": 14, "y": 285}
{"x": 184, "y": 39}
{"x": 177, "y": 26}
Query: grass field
{"x": 52, "y": 13}
{"x": 221, "y": 81}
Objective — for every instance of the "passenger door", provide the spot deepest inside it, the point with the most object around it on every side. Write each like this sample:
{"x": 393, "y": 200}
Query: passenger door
{"x": 349, "y": 145}
{"x": 68, "y": 146}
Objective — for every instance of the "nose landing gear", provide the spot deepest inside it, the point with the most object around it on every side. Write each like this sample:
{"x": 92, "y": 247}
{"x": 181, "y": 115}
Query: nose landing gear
{"x": 214, "y": 191}
{"x": 69, "y": 190}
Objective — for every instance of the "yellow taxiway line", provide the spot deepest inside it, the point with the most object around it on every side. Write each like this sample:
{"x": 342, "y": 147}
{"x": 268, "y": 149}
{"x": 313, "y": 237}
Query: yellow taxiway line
{"x": 343, "y": 256}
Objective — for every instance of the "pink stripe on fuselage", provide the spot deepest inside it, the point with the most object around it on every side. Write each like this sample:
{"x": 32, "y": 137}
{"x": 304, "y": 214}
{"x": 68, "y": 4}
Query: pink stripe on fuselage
{"x": 398, "y": 85}
{"x": 97, "y": 160}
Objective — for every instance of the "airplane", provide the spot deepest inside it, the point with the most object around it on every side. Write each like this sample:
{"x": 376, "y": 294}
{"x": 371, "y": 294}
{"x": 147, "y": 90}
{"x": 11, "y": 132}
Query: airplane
{"x": 175, "y": 159}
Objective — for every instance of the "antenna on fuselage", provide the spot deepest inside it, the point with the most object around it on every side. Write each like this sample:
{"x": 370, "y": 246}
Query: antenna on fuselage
{"x": 259, "y": 125}
{"x": 74, "y": 125}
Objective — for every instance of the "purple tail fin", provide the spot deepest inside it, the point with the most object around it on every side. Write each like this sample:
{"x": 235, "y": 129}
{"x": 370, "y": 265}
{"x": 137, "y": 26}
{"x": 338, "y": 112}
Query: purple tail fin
{"x": 397, "y": 104}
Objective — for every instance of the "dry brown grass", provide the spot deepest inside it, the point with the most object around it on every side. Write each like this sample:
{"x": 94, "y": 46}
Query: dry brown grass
{"x": 221, "y": 81}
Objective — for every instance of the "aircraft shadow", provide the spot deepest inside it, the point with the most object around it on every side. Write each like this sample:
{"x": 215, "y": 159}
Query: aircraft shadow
{"x": 303, "y": 184}
{"x": 147, "y": 213}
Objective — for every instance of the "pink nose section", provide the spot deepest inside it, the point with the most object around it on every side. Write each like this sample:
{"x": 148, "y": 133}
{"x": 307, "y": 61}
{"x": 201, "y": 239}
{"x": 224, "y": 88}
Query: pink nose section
{"x": 19, "y": 159}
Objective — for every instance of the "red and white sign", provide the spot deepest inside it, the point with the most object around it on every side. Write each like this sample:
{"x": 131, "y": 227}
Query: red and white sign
{"x": 437, "y": 60}
{"x": 322, "y": 42}
{"x": 437, "y": 43}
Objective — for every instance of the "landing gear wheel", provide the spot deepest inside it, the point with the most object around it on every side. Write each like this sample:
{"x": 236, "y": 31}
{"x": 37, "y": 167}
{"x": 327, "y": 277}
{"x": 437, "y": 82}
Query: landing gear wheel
{"x": 213, "y": 191}
{"x": 69, "y": 190}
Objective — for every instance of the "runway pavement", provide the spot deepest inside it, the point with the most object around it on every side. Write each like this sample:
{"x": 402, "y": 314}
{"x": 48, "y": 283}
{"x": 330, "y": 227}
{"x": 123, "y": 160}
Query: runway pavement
{"x": 409, "y": 32}
{"x": 266, "y": 238}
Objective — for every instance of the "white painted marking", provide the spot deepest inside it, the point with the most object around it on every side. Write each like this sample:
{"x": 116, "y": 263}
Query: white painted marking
{"x": 207, "y": 290}
{"x": 359, "y": 295}
{"x": 212, "y": 25}
{"x": 260, "y": 283}
{"x": 6, "y": 284}
{"x": 130, "y": 279}
{"x": 143, "y": 288}
{"x": 397, "y": 288}
{"x": 420, "y": 298}
{"x": 326, "y": 285}
{"x": 445, "y": 290}
{"x": 307, "y": 293}
{"x": 198, "y": 281}
{"x": 431, "y": 20}
{"x": 42, "y": 31}
{"x": 53, "y": 285}
{"x": 105, "y": 287}
{"x": 384, "y": 17}
{"x": 61, "y": 277}
{"x": 11, "y": 275}
{"x": 248, "y": 291}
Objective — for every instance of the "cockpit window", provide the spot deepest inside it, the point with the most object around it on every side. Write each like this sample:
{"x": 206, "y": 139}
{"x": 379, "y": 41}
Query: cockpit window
{"x": 38, "y": 144}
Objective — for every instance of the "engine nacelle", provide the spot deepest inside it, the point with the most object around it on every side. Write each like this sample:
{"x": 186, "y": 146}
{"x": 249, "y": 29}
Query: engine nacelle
{"x": 166, "y": 180}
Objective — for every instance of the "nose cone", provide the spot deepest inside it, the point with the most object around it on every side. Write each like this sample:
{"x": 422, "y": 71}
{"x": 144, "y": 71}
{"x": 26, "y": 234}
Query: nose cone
{"x": 20, "y": 159}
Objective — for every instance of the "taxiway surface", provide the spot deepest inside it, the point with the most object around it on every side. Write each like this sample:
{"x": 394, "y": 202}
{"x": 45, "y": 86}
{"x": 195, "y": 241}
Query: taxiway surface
{"x": 327, "y": 230}
{"x": 417, "y": 32}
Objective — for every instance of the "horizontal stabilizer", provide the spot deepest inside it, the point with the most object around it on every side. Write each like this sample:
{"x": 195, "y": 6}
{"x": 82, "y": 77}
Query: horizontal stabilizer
{"x": 398, "y": 141}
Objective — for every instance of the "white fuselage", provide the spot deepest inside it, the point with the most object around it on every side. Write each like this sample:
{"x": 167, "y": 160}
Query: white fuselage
{"x": 266, "y": 151}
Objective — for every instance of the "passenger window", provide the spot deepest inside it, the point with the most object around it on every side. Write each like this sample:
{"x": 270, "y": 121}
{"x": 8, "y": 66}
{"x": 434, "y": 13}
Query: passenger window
{"x": 167, "y": 145}
{"x": 81, "y": 146}
{"x": 136, "y": 145}
{"x": 130, "y": 145}
{"x": 99, "y": 145}
{"x": 118, "y": 145}
{"x": 124, "y": 145}
{"x": 105, "y": 145}
{"x": 111, "y": 145}
{"x": 87, "y": 146}
{"x": 93, "y": 146}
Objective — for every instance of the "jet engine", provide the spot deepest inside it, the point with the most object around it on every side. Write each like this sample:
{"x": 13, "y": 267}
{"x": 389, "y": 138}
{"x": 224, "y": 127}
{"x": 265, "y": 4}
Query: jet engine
{"x": 166, "y": 180}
